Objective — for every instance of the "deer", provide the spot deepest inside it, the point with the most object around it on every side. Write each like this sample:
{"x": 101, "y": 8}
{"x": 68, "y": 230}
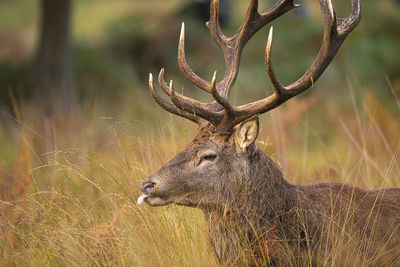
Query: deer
{"x": 253, "y": 214}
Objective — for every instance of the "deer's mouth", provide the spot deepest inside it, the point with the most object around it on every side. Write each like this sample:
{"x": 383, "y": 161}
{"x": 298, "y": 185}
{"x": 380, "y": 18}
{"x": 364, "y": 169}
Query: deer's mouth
{"x": 154, "y": 200}
{"x": 151, "y": 197}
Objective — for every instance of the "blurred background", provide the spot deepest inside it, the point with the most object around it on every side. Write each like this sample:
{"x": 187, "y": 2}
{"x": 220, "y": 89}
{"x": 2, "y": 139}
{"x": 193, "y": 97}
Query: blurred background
{"x": 77, "y": 120}
{"x": 77, "y": 54}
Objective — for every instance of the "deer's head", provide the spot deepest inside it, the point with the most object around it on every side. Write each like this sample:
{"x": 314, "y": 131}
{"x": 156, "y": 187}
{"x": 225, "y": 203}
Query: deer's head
{"x": 217, "y": 164}
{"x": 210, "y": 168}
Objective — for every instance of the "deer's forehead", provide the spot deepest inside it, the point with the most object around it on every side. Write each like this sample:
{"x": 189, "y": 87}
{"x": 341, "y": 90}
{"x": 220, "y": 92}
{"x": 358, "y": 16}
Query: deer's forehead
{"x": 207, "y": 138}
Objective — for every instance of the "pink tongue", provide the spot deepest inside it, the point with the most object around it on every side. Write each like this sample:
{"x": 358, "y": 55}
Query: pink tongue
{"x": 142, "y": 198}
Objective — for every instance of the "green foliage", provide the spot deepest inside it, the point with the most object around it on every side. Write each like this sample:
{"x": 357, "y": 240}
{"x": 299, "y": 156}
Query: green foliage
{"x": 16, "y": 77}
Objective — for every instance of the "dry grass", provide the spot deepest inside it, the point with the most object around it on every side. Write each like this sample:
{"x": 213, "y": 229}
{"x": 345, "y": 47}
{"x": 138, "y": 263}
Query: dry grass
{"x": 77, "y": 205}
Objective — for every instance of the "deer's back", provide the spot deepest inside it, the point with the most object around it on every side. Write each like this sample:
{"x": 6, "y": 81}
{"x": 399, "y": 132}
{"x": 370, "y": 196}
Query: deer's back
{"x": 342, "y": 198}
{"x": 367, "y": 221}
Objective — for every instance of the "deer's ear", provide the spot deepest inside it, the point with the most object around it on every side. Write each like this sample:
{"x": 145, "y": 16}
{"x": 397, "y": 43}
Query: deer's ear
{"x": 247, "y": 133}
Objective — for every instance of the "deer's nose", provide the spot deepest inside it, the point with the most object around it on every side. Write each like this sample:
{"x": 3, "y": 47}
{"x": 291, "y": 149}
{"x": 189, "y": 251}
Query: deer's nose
{"x": 147, "y": 187}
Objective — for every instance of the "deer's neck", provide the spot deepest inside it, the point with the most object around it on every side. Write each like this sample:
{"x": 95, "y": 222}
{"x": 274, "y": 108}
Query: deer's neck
{"x": 266, "y": 197}
{"x": 272, "y": 194}
{"x": 260, "y": 192}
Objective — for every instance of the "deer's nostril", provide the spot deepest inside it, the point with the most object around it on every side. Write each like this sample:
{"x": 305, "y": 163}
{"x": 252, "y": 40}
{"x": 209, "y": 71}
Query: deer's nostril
{"x": 147, "y": 188}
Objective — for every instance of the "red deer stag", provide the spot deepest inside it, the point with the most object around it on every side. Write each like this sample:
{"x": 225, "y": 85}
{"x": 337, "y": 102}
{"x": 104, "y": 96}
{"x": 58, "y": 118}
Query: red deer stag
{"x": 254, "y": 215}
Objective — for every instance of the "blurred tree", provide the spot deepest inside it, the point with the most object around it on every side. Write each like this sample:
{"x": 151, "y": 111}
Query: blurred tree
{"x": 53, "y": 81}
{"x": 201, "y": 10}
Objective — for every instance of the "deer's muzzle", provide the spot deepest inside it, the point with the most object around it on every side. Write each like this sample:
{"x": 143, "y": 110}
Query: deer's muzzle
{"x": 147, "y": 188}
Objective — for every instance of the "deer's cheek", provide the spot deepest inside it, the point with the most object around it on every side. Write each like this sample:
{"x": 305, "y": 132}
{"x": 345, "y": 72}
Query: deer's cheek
{"x": 204, "y": 165}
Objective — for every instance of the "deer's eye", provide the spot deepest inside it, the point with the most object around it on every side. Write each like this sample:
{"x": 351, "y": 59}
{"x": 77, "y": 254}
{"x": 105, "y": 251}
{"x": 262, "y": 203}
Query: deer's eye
{"x": 209, "y": 157}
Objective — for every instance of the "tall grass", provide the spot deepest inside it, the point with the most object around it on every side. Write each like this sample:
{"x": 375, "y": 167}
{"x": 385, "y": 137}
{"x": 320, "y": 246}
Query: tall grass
{"x": 68, "y": 196}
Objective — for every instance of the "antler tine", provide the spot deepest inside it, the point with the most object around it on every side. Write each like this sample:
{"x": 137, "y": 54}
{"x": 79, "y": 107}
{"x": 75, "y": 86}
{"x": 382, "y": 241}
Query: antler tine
{"x": 232, "y": 47}
{"x": 336, "y": 30}
{"x": 189, "y": 105}
{"x": 162, "y": 83}
{"x": 346, "y": 25}
{"x": 277, "y": 86}
{"x": 277, "y": 10}
{"x": 184, "y": 67}
{"x": 245, "y": 32}
{"x": 220, "y": 100}
{"x": 168, "y": 106}
{"x": 214, "y": 26}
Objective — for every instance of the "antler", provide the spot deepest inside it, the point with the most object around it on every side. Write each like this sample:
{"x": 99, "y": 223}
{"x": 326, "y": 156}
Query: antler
{"x": 221, "y": 113}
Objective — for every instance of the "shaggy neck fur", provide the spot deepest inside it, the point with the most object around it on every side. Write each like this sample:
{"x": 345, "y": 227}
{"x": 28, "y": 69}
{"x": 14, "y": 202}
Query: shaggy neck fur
{"x": 265, "y": 198}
